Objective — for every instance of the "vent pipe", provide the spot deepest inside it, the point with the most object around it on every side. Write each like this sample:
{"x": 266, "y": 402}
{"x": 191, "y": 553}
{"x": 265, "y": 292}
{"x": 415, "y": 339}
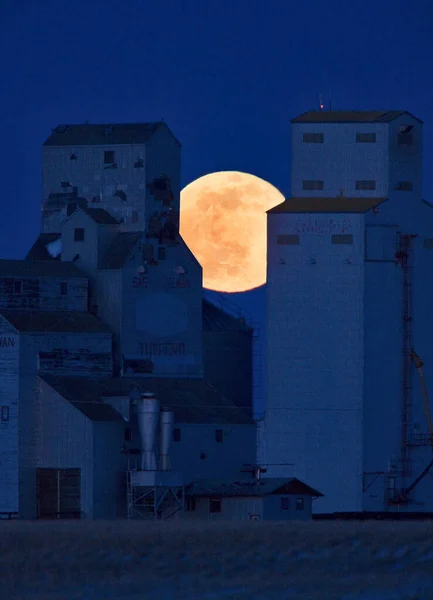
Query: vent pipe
{"x": 166, "y": 436}
{"x": 148, "y": 417}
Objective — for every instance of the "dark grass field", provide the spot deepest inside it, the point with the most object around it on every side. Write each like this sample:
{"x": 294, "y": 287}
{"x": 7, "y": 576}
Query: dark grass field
{"x": 253, "y": 560}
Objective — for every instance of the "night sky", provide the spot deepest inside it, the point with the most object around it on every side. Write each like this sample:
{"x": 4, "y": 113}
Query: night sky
{"x": 226, "y": 75}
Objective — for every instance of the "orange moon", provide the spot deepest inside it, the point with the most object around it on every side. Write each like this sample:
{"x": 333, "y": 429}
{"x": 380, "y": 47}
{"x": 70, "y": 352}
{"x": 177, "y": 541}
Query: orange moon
{"x": 223, "y": 222}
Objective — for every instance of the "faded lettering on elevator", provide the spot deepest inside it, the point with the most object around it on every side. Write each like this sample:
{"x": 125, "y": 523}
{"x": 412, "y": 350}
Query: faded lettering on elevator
{"x": 7, "y": 342}
{"x": 162, "y": 349}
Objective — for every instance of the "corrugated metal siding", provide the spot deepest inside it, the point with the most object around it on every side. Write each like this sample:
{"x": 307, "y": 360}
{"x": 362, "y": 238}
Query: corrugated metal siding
{"x": 109, "y": 471}
{"x": 321, "y": 161}
{"x": 199, "y": 456}
{"x": 228, "y": 364}
{"x": 9, "y": 414}
{"x": 315, "y": 356}
{"x": 64, "y": 440}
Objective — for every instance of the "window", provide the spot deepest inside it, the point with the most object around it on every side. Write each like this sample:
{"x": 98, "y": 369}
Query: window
{"x": 73, "y": 157}
{"x": 139, "y": 163}
{"x": 176, "y": 434}
{"x": 284, "y": 504}
{"x": 404, "y": 186}
{"x": 108, "y": 157}
{"x": 342, "y": 239}
{"x": 366, "y": 138}
{"x": 79, "y": 234}
{"x": 300, "y": 503}
{"x": 219, "y": 436}
{"x": 161, "y": 252}
{"x": 127, "y": 434}
{"x": 18, "y": 287}
{"x": 365, "y": 185}
{"x": 66, "y": 184}
{"x": 215, "y": 505}
{"x": 311, "y": 184}
{"x": 405, "y": 137}
{"x": 64, "y": 288}
{"x": 190, "y": 503}
{"x": 287, "y": 240}
{"x": 134, "y": 217}
{"x": 313, "y": 138}
{"x": 5, "y": 413}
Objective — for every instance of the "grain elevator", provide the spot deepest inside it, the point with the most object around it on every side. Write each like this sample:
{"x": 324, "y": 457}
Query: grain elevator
{"x": 349, "y": 315}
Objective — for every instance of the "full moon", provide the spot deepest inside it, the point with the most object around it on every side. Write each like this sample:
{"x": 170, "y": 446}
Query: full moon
{"x": 223, "y": 222}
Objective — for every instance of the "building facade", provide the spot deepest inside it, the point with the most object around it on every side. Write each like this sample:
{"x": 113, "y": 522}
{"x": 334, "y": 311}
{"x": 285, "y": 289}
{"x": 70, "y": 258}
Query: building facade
{"x": 348, "y": 312}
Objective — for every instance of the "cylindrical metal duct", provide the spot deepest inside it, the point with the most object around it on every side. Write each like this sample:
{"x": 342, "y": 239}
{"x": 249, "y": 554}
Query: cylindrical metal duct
{"x": 148, "y": 416}
{"x": 166, "y": 436}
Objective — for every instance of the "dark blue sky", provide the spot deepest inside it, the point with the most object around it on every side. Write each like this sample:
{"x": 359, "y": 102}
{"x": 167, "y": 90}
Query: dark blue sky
{"x": 226, "y": 75}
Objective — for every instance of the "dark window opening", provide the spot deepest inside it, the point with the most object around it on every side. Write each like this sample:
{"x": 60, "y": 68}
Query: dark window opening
{"x": 161, "y": 253}
{"x": 70, "y": 208}
{"x": 288, "y": 240}
{"x": 342, "y": 239}
{"x": 64, "y": 288}
{"x": 18, "y": 287}
{"x": 313, "y": 138}
{"x": 73, "y": 157}
{"x": 219, "y": 435}
{"x": 66, "y": 184}
{"x": 176, "y": 434}
{"x": 79, "y": 234}
{"x": 120, "y": 194}
{"x": 284, "y": 504}
{"x": 405, "y": 139}
{"x": 310, "y": 184}
{"x": 190, "y": 503}
{"x": 108, "y": 157}
{"x": 5, "y": 413}
{"x": 365, "y": 185}
{"x": 128, "y": 434}
{"x": 366, "y": 138}
{"x": 299, "y": 503}
{"x": 404, "y": 186}
{"x": 139, "y": 163}
{"x": 215, "y": 505}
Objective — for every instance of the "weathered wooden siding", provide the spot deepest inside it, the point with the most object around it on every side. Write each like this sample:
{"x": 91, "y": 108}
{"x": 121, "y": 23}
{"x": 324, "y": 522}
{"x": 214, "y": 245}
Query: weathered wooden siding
{"x": 9, "y": 414}
{"x": 77, "y": 354}
{"x": 107, "y": 299}
{"x": 44, "y": 294}
{"x": 162, "y": 313}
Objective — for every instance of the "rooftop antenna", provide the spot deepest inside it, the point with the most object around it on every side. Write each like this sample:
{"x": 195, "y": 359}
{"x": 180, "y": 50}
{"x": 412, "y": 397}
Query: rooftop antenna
{"x": 321, "y": 102}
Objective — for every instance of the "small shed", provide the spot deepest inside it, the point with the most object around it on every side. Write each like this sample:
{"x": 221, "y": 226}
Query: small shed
{"x": 267, "y": 499}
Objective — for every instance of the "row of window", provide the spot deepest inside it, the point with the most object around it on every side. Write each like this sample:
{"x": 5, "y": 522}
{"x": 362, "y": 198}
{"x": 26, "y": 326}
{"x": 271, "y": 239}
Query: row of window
{"x": 360, "y": 185}
{"x": 404, "y": 138}
{"x": 215, "y": 504}
{"x": 293, "y": 239}
{"x": 110, "y": 160}
{"x": 19, "y": 287}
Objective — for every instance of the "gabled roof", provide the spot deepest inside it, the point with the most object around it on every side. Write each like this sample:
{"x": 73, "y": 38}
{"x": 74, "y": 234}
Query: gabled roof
{"x": 250, "y": 487}
{"x": 40, "y": 268}
{"x": 89, "y": 134}
{"x": 351, "y": 116}
{"x": 339, "y": 204}
{"x": 192, "y": 400}
{"x": 39, "y": 249}
{"x": 119, "y": 250}
{"x": 216, "y": 319}
{"x": 100, "y": 216}
{"x": 96, "y": 410}
{"x": 61, "y": 321}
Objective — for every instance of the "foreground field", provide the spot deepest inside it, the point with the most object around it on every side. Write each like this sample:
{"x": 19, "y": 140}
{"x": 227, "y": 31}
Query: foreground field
{"x": 254, "y": 561}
